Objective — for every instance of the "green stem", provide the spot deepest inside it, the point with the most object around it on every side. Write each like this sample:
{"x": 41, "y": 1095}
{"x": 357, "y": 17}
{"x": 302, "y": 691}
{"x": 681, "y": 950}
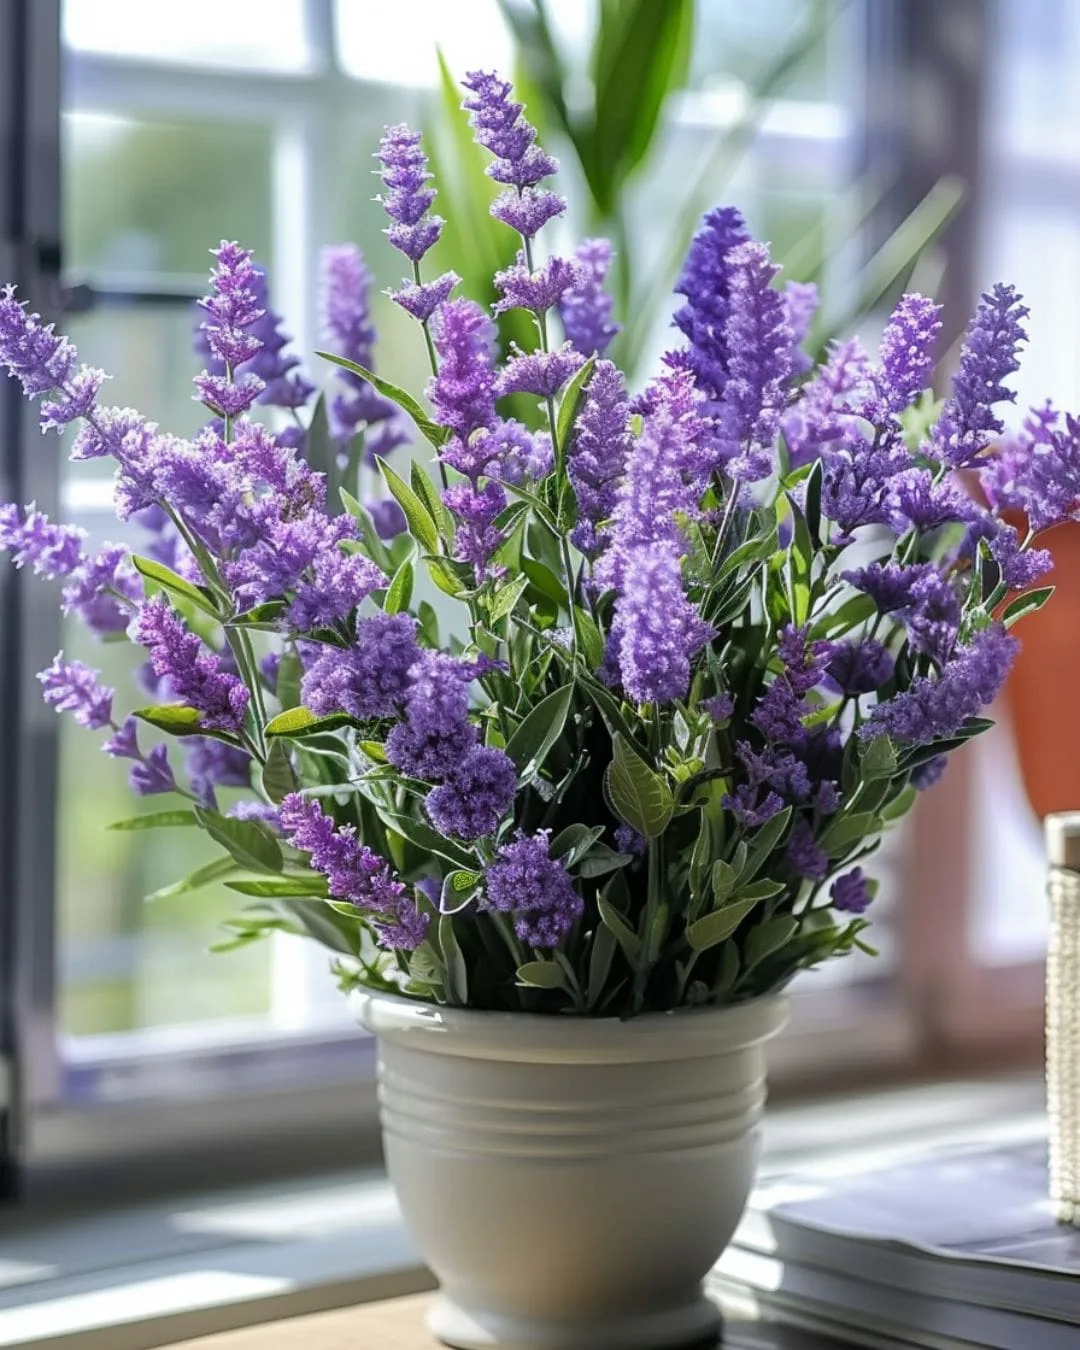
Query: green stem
{"x": 433, "y": 362}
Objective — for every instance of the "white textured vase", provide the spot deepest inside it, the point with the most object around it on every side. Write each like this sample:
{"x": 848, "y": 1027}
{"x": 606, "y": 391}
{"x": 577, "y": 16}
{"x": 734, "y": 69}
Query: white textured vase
{"x": 571, "y": 1181}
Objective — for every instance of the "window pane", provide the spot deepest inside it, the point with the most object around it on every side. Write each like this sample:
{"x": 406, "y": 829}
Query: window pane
{"x": 148, "y": 196}
{"x": 397, "y": 43}
{"x": 264, "y": 34}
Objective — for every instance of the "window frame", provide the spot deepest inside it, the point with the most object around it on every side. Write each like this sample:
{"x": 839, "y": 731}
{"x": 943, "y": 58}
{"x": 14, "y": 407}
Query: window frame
{"x": 199, "y": 1104}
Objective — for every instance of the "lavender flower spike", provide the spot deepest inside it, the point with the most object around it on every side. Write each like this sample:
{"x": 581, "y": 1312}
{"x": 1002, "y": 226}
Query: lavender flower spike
{"x": 345, "y": 315}
{"x": 586, "y": 307}
{"x": 463, "y": 392}
{"x": 499, "y": 127}
{"x": 43, "y": 361}
{"x": 193, "y": 671}
{"x": 408, "y": 198}
{"x": 706, "y": 282}
{"x": 907, "y": 351}
{"x": 71, "y": 686}
{"x": 968, "y": 422}
{"x": 536, "y": 889}
{"x": 597, "y": 456}
{"x": 232, "y": 308}
{"x": 52, "y": 550}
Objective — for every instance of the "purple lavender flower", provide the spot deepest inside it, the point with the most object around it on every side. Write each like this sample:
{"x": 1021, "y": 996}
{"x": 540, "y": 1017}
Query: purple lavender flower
{"x": 71, "y": 686}
{"x": 77, "y": 398}
{"x": 1020, "y": 568}
{"x": 536, "y": 290}
{"x": 627, "y": 840}
{"x": 666, "y": 471}
{"x": 800, "y": 305}
{"x": 463, "y": 392}
{"x": 536, "y": 889}
{"x": 193, "y": 671}
{"x": 822, "y": 419}
{"x": 422, "y": 299}
{"x": 656, "y": 629}
{"x": 857, "y": 668}
{"x": 354, "y": 873}
{"x": 499, "y": 127}
{"x": 339, "y": 583}
{"x": 407, "y": 198}
{"x": 212, "y": 763}
{"x": 888, "y": 584}
{"x": 989, "y": 355}
{"x": 906, "y": 353}
{"x": 99, "y": 588}
{"x": 345, "y": 320}
{"x": 929, "y": 772}
{"x": 529, "y": 210}
{"x": 915, "y": 501}
{"x": 759, "y": 345}
{"x": 857, "y": 481}
{"x": 771, "y": 778}
{"x": 804, "y": 853}
{"x": 540, "y": 373}
{"x": 780, "y": 710}
{"x": 476, "y": 510}
{"x": 52, "y": 550}
{"x": 262, "y": 812}
{"x": 436, "y": 734}
{"x": 705, "y": 281}
{"x": 524, "y": 456}
{"x": 586, "y": 307}
{"x": 597, "y": 454}
{"x": 387, "y": 517}
{"x": 476, "y": 796}
{"x": 124, "y": 742}
{"x": 370, "y": 679}
{"x": 285, "y": 385}
{"x": 232, "y": 307}
{"x": 1038, "y": 471}
{"x": 720, "y": 708}
{"x": 933, "y": 617}
{"x": 851, "y": 892}
{"x": 39, "y": 358}
{"x": 152, "y": 775}
{"x": 931, "y": 708}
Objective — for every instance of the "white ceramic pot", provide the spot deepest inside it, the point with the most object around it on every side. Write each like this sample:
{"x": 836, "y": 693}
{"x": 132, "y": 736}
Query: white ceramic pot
{"x": 571, "y": 1181}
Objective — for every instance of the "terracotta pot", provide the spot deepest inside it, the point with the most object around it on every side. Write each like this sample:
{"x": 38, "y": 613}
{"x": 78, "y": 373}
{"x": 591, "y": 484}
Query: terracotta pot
{"x": 571, "y": 1181}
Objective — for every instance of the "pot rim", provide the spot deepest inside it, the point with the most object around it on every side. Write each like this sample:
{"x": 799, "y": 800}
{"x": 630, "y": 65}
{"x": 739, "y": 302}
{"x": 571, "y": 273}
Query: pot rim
{"x": 470, "y": 1033}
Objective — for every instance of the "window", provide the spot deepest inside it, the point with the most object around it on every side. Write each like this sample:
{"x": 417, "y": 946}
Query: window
{"x": 257, "y": 122}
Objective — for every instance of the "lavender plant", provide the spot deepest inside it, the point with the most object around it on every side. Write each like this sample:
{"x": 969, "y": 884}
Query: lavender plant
{"x": 697, "y": 647}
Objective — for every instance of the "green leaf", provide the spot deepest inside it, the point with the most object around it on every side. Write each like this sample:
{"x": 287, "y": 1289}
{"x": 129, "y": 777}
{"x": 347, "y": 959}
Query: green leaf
{"x": 452, "y": 578}
{"x": 639, "y": 796}
{"x": 437, "y": 435}
{"x": 530, "y": 743}
{"x": 289, "y": 676}
{"x": 544, "y": 579}
{"x": 319, "y": 448}
{"x": 177, "y": 720}
{"x": 640, "y": 57}
{"x": 300, "y": 722}
{"x": 601, "y": 859}
{"x": 728, "y": 973}
{"x": 624, "y": 935}
{"x": 753, "y": 550}
{"x": 426, "y": 839}
{"x": 763, "y": 844}
{"x": 370, "y": 543}
{"x": 724, "y": 876}
{"x": 603, "y": 950}
{"x": 296, "y": 886}
{"x": 760, "y": 890}
{"x": 165, "y": 577}
{"x": 542, "y": 975}
{"x": 718, "y": 926}
{"x": 900, "y": 805}
{"x": 574, "y": 842}
{"x": 589, "y": 637}
{"x": 571, "y": 400}
{"x": 428, "y": 493}
{"x": 1024, "y": 604}
{"x": 400, "y": 592}
{"x": 249, "y": 842}
{"x": 878, "y": 760}
{"x": 429, "y": 623}
{"x": 195, "y": 881}
{"x": 457, "y": 978}
{"x": 846, "y": 830}
{"x": 768, "y": 937}
{"x": 506, "y": 598}
{"x": 278, "y": 776}
{"x": 421, "y": 526}
{"x": 155, "y": 820}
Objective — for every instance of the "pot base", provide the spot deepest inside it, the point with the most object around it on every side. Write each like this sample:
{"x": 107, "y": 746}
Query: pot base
{"x": 695, "y": 1324}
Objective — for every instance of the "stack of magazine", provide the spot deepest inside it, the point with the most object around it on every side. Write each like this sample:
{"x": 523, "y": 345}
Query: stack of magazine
{"x": 953, "y": 1250}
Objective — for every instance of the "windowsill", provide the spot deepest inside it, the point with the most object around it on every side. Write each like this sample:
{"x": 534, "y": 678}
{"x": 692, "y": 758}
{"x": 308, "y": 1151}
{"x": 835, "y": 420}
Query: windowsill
{"x": 136, "y": 1278}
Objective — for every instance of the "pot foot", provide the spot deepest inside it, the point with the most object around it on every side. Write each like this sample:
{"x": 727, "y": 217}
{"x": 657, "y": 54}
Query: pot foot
{"x": 692, "y": 1325}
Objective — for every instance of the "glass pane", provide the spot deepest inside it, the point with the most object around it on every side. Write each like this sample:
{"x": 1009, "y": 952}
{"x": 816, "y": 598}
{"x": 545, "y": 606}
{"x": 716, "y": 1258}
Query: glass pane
{"x": 259, "y": 34}
{"x": 736, "y": 42}
{"x": 150, "y": 196}
{"x": 397, "y": 43}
